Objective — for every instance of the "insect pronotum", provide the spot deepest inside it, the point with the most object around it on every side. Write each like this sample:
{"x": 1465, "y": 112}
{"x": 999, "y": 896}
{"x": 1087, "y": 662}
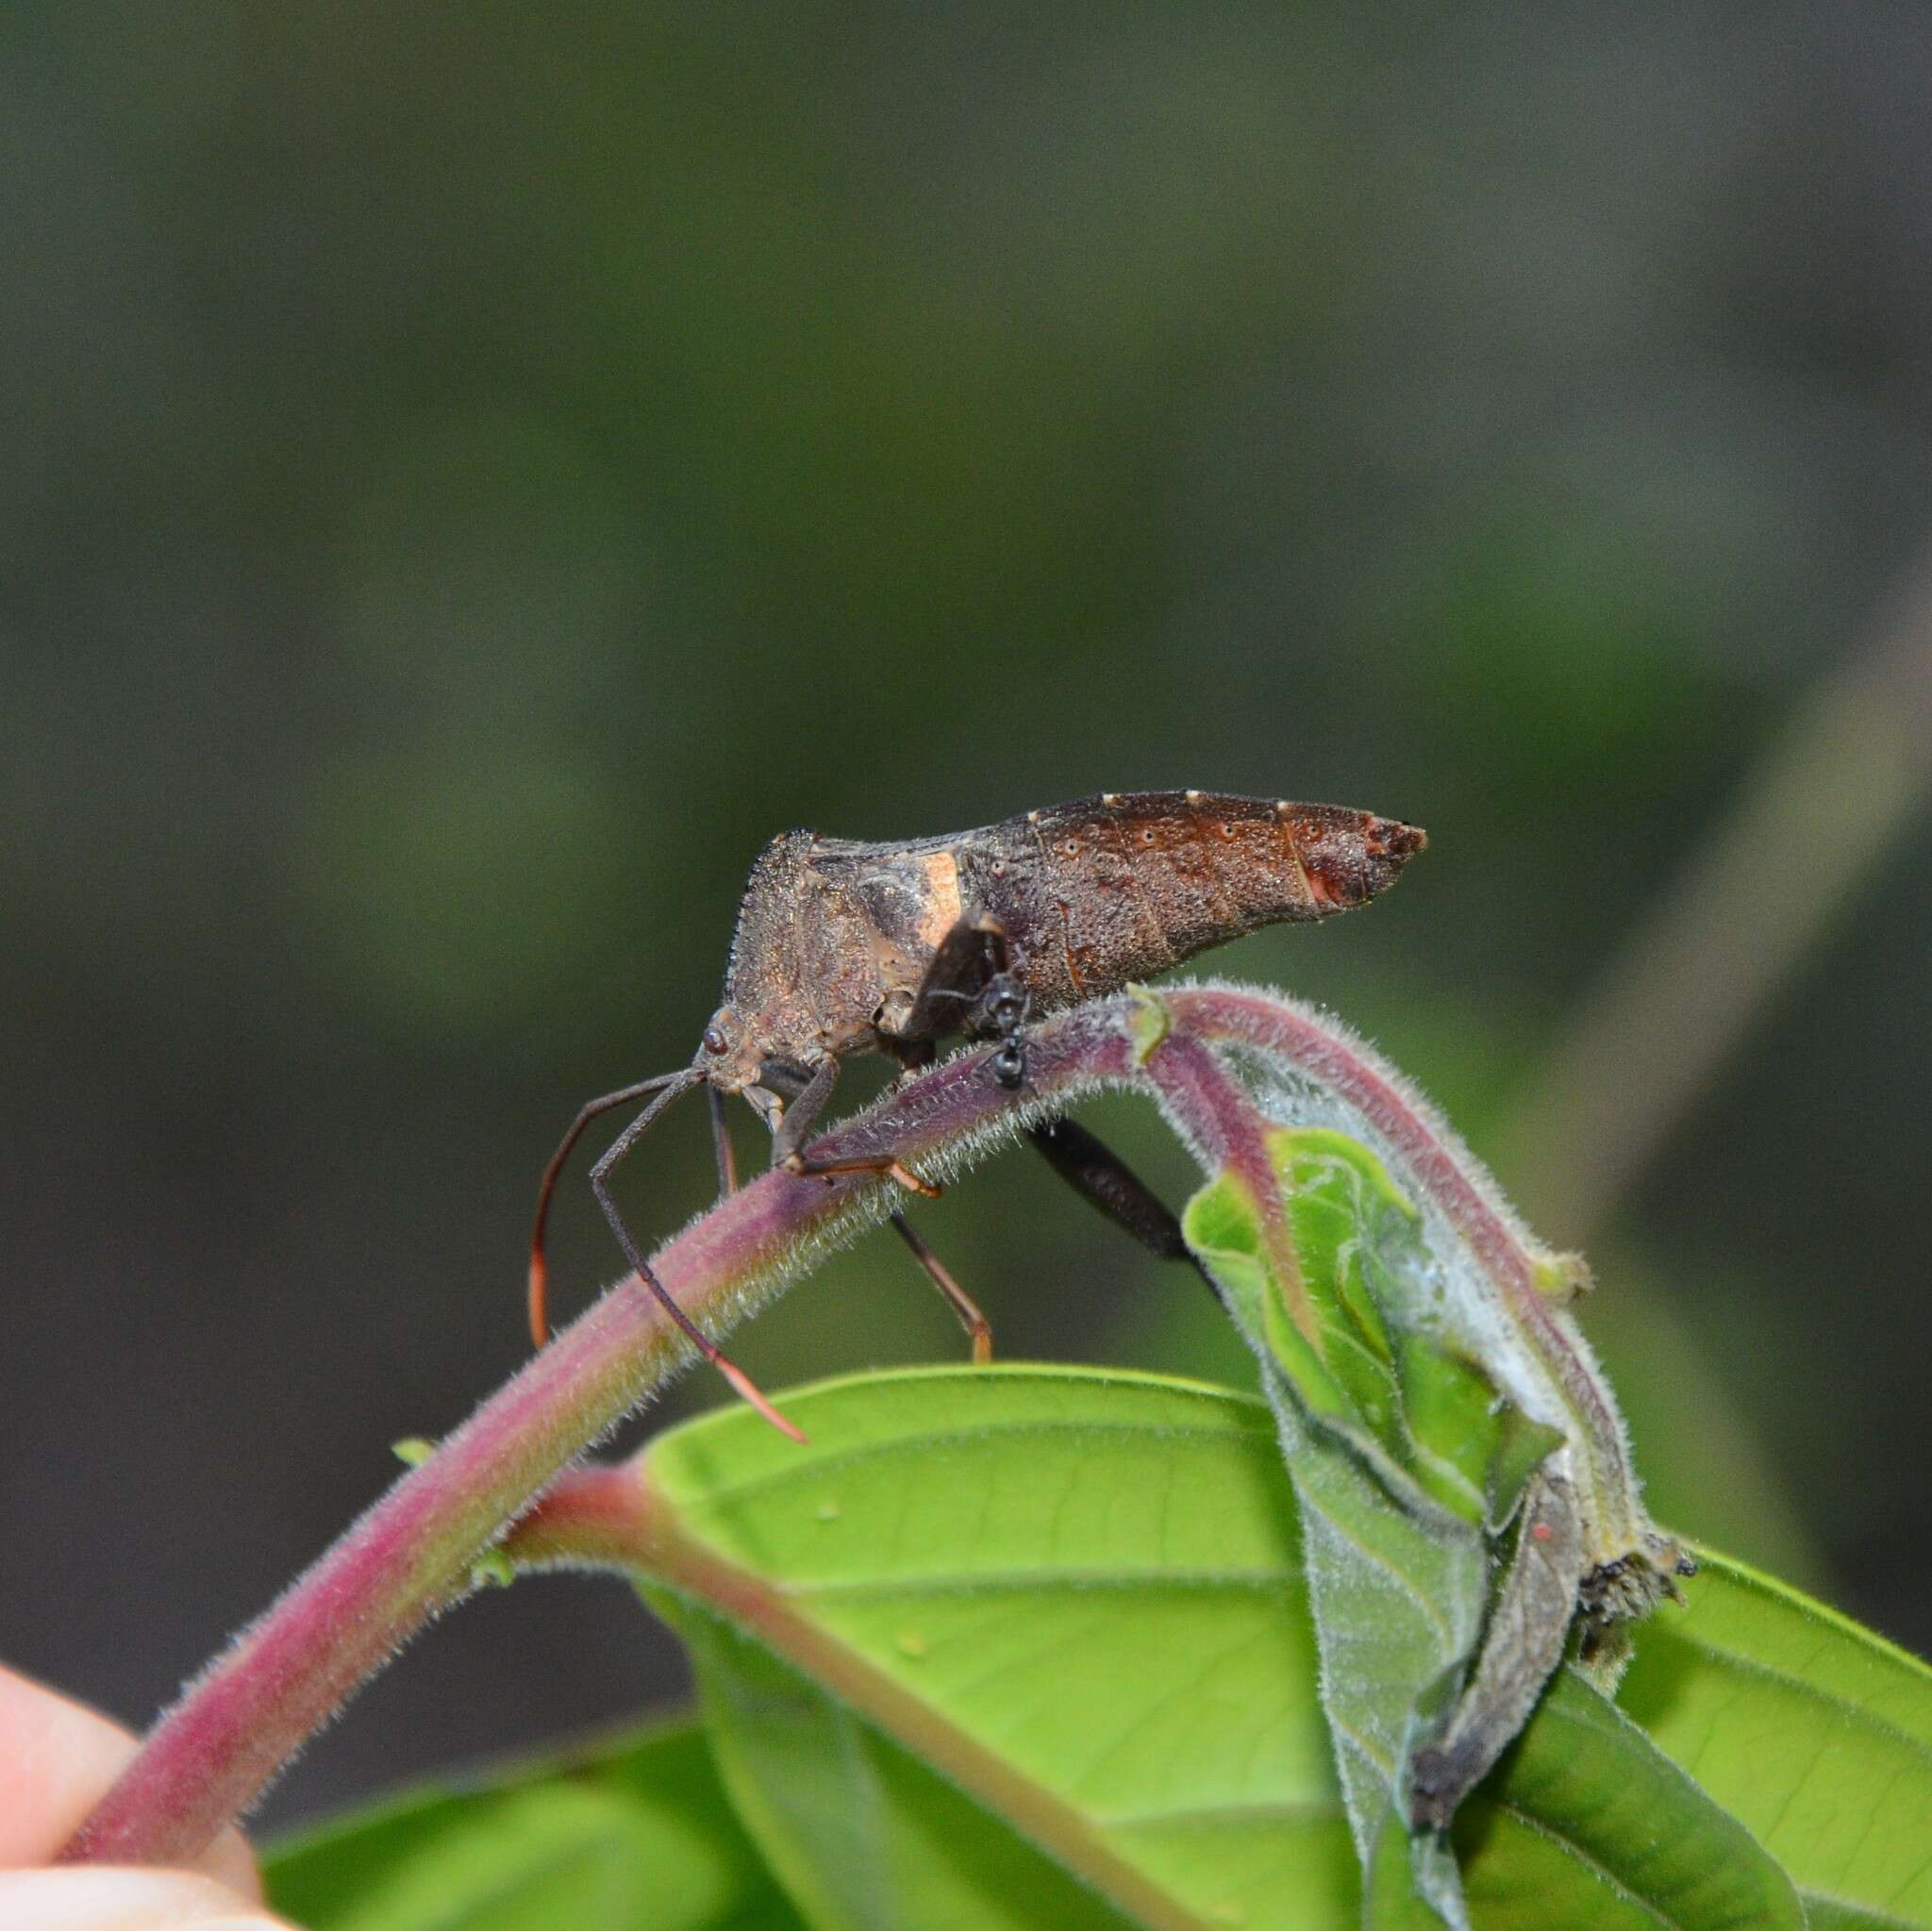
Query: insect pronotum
{"x": 843, "y": 948}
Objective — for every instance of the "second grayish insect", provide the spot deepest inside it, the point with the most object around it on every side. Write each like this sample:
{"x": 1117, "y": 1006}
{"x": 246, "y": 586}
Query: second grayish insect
{"x": 842, "y": 948}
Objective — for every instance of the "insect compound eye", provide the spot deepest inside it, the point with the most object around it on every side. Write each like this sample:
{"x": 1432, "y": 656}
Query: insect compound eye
{"x": 715, "y": 1040}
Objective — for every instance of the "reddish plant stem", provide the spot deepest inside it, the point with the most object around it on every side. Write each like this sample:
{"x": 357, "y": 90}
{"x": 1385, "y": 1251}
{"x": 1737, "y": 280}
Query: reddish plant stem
{"x": 1218, "y": 1119}
{"x": 592, "y": 1517}
{"x": 403, "y": 1560}
{"x": 211, "y": 1757}
{"x": 1427, "y": 1145}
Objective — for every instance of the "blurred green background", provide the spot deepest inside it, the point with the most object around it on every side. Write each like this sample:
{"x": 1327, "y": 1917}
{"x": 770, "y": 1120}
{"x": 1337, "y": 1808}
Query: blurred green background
{"x": 469, "y": 477}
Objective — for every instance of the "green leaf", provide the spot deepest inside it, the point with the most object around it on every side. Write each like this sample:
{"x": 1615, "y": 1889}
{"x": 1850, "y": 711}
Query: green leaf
{"x": 1036, "y": 1674}
{"x": 1026, "y": 1648}
{"x": 1394, "y": 1891}
{"x": 861, "y": 1830}
{"x": 1075, "y": 1599}
{"x": 1586, "y": 1808}
{"x": 1813, "y": 1731}
{"x": 636, "y": 1833}
{"x": 1829, "y": 1914}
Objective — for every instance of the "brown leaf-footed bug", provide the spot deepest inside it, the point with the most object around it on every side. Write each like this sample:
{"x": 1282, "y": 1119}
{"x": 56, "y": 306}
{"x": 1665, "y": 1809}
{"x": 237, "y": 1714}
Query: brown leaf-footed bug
{"x": 843, "y": 947}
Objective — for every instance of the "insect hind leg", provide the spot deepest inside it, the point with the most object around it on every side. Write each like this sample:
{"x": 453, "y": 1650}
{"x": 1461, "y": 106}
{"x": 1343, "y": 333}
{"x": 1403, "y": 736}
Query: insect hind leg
{"x": 957, "y": 1298}
{"x": 1104, "y": 1180}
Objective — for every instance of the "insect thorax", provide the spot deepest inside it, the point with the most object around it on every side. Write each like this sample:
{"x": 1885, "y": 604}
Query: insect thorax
{"x": 832, "y": 940}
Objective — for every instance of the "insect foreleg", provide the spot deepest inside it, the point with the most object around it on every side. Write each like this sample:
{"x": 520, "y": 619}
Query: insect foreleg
{"x": 540, "y": 1273}
{"x": 802, "y": 1113}
{"x": 600, "y": 1184}
{"x": 1103, "y": 1179}
{"x": 720, "y": 1143}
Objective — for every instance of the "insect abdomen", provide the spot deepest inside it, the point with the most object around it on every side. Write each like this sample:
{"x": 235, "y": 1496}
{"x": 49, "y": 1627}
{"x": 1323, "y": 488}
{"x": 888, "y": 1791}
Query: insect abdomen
{"x": 1113, "y": 889}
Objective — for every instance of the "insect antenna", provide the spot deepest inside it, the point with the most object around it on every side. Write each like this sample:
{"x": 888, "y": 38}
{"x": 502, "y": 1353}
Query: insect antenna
{"x": 591, "y": 1110}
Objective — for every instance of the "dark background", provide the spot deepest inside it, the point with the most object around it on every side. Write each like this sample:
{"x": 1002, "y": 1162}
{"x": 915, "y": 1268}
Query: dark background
{"x": 469, "y": 475}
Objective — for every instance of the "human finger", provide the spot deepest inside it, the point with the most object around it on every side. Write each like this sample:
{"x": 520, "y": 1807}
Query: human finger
{"x": 57, "y": 1759}
{"x": 103, "y": 1897}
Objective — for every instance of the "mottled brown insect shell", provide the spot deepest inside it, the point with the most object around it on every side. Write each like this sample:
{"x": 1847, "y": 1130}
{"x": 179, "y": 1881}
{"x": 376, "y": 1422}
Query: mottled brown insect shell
{"x": 834, "y": 937}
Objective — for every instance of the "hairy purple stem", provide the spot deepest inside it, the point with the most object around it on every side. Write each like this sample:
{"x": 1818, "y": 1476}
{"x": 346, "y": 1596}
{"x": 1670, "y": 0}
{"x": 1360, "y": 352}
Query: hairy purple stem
{"x": 212, "y": 1756}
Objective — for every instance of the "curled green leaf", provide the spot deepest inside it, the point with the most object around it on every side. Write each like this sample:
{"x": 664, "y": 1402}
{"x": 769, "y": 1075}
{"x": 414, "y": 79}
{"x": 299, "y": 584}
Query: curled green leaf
{"x": 1444, "y": 1539}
